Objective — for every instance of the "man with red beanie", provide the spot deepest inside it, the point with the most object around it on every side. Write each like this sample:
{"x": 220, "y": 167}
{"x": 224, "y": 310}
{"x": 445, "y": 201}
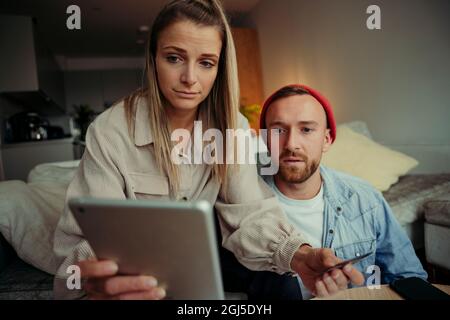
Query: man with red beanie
{"x": 332, "y": 209}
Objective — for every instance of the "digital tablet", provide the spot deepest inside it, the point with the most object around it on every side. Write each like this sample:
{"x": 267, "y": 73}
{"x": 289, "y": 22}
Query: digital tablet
{"x": 172, "y": 241}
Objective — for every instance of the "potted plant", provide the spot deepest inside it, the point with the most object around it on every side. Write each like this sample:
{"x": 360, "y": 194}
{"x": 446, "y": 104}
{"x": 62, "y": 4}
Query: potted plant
{"x": 251, "y": 112}
{"x": 83, "y": 116}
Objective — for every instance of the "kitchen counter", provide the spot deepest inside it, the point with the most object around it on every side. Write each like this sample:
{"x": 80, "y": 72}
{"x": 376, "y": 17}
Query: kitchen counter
{"x": 37, "y": 143}
{"x": 20, "y": 158}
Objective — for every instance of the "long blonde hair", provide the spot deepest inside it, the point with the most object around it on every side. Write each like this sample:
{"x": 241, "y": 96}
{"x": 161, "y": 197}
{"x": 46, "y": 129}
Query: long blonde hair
{"x": 220, "y": 108}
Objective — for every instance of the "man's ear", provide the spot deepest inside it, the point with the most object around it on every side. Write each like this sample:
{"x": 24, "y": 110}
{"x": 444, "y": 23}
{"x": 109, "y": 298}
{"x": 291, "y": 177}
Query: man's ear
{"x": 326, "y": 141}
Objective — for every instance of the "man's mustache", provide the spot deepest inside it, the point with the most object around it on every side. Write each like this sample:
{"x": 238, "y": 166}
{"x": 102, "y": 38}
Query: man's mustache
{"x": 296, "y": 154}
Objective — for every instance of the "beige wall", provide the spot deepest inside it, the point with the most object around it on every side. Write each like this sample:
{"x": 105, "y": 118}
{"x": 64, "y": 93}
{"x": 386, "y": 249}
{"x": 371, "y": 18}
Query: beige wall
{"x": 396, "y": 79}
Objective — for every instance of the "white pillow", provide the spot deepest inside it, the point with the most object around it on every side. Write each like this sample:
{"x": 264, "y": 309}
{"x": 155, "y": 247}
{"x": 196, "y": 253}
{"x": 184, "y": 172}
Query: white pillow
{"x": 29, "y": 214}
{"x": 362, "y": 157}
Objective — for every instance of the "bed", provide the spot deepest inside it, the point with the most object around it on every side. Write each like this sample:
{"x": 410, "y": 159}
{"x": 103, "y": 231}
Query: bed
{"x": 408, "y": 198}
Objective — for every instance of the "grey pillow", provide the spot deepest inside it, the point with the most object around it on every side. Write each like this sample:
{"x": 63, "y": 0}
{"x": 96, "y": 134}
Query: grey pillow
{"x": 437, "y": 211}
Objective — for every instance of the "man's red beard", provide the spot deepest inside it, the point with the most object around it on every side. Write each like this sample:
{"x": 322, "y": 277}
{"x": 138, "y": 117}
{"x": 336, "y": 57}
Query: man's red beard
{"x": 296, "y": 174}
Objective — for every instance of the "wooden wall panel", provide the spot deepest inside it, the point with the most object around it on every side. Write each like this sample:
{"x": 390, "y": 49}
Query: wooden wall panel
{"x": 249, "y": 65}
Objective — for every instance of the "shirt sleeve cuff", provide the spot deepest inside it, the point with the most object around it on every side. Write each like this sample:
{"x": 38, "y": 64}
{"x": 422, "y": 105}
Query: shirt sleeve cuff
{"x": 286, "y": 250}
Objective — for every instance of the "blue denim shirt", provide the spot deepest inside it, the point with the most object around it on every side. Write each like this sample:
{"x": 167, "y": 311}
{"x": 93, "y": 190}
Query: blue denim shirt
{"x": 358, "y": 220}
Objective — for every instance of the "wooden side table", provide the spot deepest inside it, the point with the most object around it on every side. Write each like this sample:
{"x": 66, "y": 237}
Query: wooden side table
{"x": 364, "y": 293}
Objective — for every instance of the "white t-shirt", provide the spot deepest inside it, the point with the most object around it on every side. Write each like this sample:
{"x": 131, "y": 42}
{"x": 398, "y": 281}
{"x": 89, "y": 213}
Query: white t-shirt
{"x": 307, "y": 217}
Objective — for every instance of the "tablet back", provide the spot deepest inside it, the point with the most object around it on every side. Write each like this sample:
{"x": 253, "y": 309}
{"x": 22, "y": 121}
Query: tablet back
{"x": 173, "y": 241}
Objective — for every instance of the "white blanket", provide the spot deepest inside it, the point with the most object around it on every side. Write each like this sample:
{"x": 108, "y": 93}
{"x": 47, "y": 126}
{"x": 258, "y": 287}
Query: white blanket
{"x": 30, "y": 211}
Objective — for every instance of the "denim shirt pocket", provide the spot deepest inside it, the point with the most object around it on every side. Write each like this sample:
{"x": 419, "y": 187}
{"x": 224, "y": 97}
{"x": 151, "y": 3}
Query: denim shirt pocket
{"x": 356, "y": 249}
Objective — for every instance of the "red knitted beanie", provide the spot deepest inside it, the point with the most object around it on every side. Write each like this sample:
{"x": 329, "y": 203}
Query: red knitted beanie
{"x": 319, "y": 97}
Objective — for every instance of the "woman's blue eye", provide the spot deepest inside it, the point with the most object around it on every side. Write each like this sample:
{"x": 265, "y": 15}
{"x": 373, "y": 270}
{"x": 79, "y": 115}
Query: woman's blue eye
{"x": 307, "y": 130}
{"x": 173, "y": 59}
{"x": 207, "y": 64}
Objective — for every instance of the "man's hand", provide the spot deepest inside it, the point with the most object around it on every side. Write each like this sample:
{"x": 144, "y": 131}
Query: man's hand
{"x": 102, "y": 282}
{"x": 310, "y": 264}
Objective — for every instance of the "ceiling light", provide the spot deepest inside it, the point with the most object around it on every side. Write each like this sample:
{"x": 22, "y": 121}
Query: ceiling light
{"x": 144, "y": 29}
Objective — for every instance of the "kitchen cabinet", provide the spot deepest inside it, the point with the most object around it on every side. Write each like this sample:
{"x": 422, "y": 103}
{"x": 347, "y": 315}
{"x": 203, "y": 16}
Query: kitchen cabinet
{"x": 51, "y": 78}
{"x": 29, "y": 74}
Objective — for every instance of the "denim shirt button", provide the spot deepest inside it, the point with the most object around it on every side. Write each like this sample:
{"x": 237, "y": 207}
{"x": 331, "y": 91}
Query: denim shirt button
{"x": 339, "y": 209}
{"x": 331, "y": 231}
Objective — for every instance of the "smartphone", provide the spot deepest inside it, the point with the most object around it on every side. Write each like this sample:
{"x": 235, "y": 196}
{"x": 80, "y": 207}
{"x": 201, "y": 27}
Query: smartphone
{"x": 417, "y": 289}
{"x": 344, "y": 263}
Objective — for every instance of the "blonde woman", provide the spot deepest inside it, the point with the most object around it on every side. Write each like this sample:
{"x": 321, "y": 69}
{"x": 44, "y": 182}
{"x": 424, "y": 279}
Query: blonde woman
{"x": 191, "y": 71}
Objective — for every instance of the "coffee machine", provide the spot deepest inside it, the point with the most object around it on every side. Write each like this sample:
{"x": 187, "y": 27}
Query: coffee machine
{"x": 27, "y": 126}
